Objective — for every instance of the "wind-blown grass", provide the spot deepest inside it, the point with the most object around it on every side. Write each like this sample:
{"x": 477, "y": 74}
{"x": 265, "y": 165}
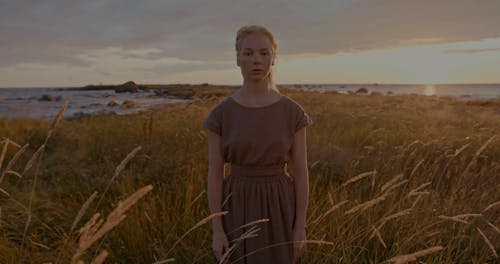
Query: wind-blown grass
{"x": 418, "y": 173}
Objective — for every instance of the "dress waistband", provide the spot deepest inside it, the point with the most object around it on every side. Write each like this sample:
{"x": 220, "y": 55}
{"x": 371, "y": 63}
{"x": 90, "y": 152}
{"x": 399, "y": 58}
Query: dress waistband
{"x": 257, "y": 170}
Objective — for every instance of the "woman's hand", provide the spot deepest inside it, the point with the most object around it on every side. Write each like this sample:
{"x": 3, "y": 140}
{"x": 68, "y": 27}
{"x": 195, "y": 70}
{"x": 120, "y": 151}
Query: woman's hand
{"x": 299, "y": 233}
{"x": 220, "y": 245}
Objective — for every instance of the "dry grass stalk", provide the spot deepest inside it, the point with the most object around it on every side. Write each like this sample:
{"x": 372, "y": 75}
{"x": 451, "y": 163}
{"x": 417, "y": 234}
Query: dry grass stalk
{"x": 392, "y": 187}
{"x": 196, "y": 198}
{"x": 56, "y": 121}
{"x": 431, "y": 234}
{"x": 330, "y": 199}
{"x": 94, "y": 229}
{"x": 487, "y": 241}
{"x": 494, "y": 227}
{"x": 398, "y": 214}
{"x": 33, "y": 158}
{"x": 418, "y": 193}
{"x": 478, "y": 152}
{"x": 358, "y": 177}
{"x": 411, "y": 144}
{"x": 164, "y": 261}
{"x": 118, "y": 169}
{"x": 200, "y": 223}
{"x": 4, "y": 192}
{"x": 377, "y": 233}
{"x": 39, "y": 244}
{"x": 4, "y": 151}
{"x": 148, "y": 217}
{"x": 467, "y": 215}
{"x": 12, "y": 161}
{"x": 390, "y": 182}
{"x": 314, "y": 164}
{"x": 251, "y": 232}
{"x": 413, "y": 257}
{"x": 416, "y": 167}
{"x": 82, "y": 210}
{"x": 367, "y": 204}
{"x": 100, "y": 258}
{"x": 378, "y": 228}
{"x": 6, "y": 143}
{"x": 418, "y": 198}
{"x": 420, "y": 187}
{"x": 335, "y": 207}
{"x": 124, "y": 162}
{"x": 249, "y": 224}
{"x": 458, "y": 151}
{"x": 15, "y": 173}
{"x": 451, "y": 218}
{"x": 9, "y": 141}
{"x": 491, "y": 206}
{"x": 227, "y": 199}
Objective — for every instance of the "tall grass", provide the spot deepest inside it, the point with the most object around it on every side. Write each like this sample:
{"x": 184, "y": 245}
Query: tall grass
{"x": 391, "y": 179}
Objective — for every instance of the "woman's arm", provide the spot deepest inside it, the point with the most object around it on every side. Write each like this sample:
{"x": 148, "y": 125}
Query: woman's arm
{"x": 215, "y": 178}
{"x": 301, "y": 175}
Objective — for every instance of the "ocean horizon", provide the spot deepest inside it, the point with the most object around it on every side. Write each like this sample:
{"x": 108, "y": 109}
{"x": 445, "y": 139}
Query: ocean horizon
{"x": 46, "y": 101}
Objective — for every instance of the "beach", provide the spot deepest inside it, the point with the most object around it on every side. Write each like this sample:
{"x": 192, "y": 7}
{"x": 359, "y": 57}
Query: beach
{"x": 130, "y": 98}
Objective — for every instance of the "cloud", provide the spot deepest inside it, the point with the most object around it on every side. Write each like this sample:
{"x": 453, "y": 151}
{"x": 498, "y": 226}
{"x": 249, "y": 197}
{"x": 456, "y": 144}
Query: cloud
{"x": 470, "y": 51}
{"x": 196, "y": 30}
{"x": 193, "y": 67}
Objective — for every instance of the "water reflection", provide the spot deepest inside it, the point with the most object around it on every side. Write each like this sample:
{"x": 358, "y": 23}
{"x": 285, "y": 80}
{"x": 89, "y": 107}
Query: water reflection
{"x": 429, "y": 90}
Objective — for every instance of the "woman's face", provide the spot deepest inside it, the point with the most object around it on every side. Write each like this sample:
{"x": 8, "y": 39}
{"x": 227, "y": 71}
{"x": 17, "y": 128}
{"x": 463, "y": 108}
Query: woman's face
{"x": 255, "y": 57}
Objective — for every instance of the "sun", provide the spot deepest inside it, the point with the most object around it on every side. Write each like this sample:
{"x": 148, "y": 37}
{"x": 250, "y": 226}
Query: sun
{"x": 429, "y": 89}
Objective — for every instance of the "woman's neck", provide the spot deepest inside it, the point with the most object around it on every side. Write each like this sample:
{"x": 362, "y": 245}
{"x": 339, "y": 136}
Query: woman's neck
{"x": 261, "y": 88}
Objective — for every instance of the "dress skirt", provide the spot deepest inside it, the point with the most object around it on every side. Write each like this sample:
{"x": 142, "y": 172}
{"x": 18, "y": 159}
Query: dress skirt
{"x": 264, "y": 193}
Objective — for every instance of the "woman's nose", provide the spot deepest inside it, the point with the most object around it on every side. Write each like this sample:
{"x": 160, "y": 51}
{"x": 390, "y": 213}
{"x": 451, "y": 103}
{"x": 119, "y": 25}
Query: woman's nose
{"x": 257, "y": 59}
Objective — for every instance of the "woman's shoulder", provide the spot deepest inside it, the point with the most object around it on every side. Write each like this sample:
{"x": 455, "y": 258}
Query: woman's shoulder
{"x": 293, "y": 103}
{"x": 221, "y": 104}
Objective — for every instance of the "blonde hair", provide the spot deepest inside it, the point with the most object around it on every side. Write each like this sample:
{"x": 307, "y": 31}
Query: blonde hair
{"x": 252, "y": 29}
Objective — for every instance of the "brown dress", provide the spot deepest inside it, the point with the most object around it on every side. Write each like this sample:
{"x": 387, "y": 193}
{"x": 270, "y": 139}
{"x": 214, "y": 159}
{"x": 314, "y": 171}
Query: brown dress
{"x": 257, "y": 142}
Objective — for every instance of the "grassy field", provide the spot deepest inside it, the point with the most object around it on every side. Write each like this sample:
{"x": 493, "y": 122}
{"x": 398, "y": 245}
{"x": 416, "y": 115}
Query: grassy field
{"x": 389, "y": 176}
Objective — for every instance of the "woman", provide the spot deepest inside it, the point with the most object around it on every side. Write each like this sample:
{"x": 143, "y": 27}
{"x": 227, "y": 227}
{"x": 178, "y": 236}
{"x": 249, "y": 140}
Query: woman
{"x": 258, "y": 130}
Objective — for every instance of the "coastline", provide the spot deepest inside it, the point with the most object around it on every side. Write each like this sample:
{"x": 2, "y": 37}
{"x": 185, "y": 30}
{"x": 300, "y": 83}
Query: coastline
{"x": 131, "y": 98}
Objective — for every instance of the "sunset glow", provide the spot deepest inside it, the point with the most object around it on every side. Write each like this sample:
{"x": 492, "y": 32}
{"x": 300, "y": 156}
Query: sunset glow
{"x": 429, "y": 90}
{"x": 181, "y": 42}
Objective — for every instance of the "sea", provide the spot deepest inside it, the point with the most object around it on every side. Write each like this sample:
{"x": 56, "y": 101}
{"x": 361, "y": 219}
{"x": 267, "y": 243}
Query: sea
{"x": 28, "y": 102}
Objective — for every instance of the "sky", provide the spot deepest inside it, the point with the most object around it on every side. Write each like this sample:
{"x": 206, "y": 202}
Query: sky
{"x": 75, "y": 43}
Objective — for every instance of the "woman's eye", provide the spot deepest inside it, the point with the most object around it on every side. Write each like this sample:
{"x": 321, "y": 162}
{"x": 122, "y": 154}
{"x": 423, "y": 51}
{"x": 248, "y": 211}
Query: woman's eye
{"x": 247, "y": 53}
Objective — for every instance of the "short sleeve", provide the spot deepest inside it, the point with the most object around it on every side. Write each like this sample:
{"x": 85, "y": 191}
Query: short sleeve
{"x": 303, "y": 119}
{"x": 213, "y": 121}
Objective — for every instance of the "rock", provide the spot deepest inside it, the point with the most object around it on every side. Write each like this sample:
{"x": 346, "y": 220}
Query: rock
{"x": 80, "y": 114}
{"x": 129, "y": 86}
{"x": 160, "y": 92}
{"x": 112, "y": 103}
{"x": 128, "y": 104}
{"x": 362, "y": 90}
{"x": 50, "y": 98}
